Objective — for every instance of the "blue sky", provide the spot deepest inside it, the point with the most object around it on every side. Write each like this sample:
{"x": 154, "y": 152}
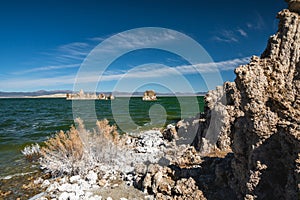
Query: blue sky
{"x": 43, "y": 43}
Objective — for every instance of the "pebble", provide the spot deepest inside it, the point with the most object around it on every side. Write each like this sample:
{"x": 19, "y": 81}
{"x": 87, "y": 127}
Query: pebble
{"x": 46, "y": 183}
{"x": 53, "y": 187}
{"x": 95, "y": 197}
{"x": 75, "y": 179}
{"x": 63, "y": 180}
{"x": 64, "y": 196}
{"x": 92, "y": 177}
{"x": 38, "y": 181}
{"x": 88, "y": 194}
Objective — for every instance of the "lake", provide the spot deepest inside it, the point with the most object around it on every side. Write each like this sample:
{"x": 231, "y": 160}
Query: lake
{"x": 26, "y": 121}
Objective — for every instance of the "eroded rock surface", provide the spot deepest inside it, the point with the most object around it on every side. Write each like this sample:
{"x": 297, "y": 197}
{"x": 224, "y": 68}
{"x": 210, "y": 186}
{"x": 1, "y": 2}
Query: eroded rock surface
{"x": 266, "y": 139}
{"x": 258, "y": 117}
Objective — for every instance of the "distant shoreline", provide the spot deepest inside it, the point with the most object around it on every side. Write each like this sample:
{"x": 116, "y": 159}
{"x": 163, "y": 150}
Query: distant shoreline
{"x": 61, "y": 96}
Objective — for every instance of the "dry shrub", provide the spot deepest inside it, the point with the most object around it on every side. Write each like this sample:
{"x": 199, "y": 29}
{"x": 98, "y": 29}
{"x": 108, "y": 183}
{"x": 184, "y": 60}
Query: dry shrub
{"x": 79, "y": 150}
{"x": 63, "y": 153}
{"x": 109, "y": 132}
{"x": 32, "y": 152}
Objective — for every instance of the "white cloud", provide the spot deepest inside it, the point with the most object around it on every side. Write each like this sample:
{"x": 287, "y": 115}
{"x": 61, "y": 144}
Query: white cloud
{"x": 74, "y": 51}
{"x": 147, "y": 71}
{"x": 258, "y": 23}
{"x": 47, "y": 68}
{"x": 226, "y": 36}
{"x": 230, "y": 36}
{"x": 157, "y": 71}
{"x": 242, "y": 32}
{"x": 77, "y": 51}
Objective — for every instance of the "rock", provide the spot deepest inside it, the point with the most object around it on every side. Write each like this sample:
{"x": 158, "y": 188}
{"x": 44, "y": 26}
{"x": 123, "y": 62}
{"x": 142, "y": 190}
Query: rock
{"x": 266, "y": 141}
{"x": 188, "y": 189}
{"x": 75, "y": 179}
{"x": 186, "y": 156}
{"x": 38, "y": 181}
{"x": 149, "y": 95}
{"x": 92, "y": 177}
{"x": 46, "y": 183}
{"x": 102, "y": 182}
{"x": 170, "y": 133}
{"x": 63, "y": 180}
{"x": 95, "y": 197}
{"x": 149, "y": 197}
{"x": 79, "y": 193}
{"x": 39, "y": 196}
{"x": 83, "y": 185}
{"x": 53, "y": 186}
{"x": 165, "y": 184}
{"x": 95, "y": 187}
{"x": 294, "y": 5}
{"x": 214, "y": 125}
{"x": 88, "y": 194}
{"x": 67, "y": 196}
{"x": 257, "y": 117}
{"x": 68, "y": 187}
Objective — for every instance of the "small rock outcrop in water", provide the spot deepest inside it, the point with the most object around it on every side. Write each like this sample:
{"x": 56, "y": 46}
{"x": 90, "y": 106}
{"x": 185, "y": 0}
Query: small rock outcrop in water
{"x": 258, "y": 117}
{"x": 149, "y": 95}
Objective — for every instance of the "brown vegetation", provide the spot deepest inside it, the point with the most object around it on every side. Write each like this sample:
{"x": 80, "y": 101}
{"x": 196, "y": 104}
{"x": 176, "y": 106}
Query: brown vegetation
{"x": 77, "y": 150}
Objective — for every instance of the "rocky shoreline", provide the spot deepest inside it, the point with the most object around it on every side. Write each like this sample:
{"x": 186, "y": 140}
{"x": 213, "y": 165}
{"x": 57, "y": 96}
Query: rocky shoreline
{"x": 246, "y": 145}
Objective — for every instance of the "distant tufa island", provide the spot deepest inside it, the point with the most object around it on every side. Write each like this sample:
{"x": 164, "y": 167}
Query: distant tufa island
{"x": 81, "y": 95}
{"x": 149, "y": 95}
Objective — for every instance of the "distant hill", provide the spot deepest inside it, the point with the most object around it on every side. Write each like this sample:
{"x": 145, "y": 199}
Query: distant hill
{"x": 32, "y": 94}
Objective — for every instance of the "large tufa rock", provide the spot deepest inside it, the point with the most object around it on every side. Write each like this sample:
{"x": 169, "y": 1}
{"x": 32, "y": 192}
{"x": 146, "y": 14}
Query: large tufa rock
{"x": 258, "y": 116}
{"x": 266, "y": 140}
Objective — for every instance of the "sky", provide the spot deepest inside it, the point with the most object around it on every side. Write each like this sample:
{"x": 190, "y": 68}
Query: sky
{"x": 49, "y": 44}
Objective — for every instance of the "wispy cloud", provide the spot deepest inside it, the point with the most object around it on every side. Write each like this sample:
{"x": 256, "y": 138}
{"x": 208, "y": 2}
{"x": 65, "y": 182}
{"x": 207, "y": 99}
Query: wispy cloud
{"x": 77, "y": 51}
{"x": 153, "y": 71}
{"x": 226, "y": 36}
{"x": 138, "y": 39}
{"x": 258, "y": 22}
{"x": 97, "y": 39}
{"x": 242, "y": 32}
{"x": 147, "y": 71}
{"x": 230, "y": 36}
{"x": 74, "y": 51}
{"x": 47, "y": 68}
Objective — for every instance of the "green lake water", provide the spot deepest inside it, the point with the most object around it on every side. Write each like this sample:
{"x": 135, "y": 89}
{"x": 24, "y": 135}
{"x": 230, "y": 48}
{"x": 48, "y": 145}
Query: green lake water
{"x": 27, "y": 121}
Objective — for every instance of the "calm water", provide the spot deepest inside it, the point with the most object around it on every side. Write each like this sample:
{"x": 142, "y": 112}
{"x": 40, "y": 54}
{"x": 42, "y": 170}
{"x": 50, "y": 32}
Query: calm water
{"x": 26, "y": 121}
